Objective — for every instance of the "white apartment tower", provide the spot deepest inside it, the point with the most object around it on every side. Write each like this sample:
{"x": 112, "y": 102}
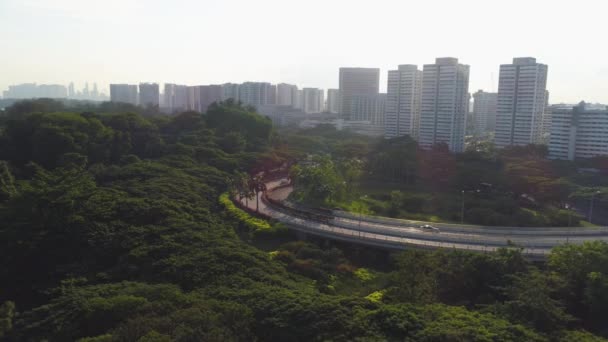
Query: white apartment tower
{"x": 402, "y": 116}
{"x": 521, "y": 102}
{"x": 444, "y": 104}
{"x": 579, "y": 132}
{"x": 255, "y": 93}
{"x": 312, "y": 100}
{"x": 287, "y": 94}
{"x": 333, "y": 101}
{"x": 484, "y": 112}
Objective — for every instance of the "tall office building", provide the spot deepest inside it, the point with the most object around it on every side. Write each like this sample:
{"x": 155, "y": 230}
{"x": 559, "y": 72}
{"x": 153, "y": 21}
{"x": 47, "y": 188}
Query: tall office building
{"x": 255, "y": 93}
{"x": 521, "y": 102}
{"x": 484, "y": 112}
{"x": 126, "y": 93}
{"x": 312, "y": 100}
{"x": 71, "y": 91}
{"x": 579, "y": 132}
{"x": 403, "y": 97}
{"x": 287, "y": 94}
{"x": 354, "y": 82}
{"x": 444, "y": 104}
{"x": 333, "y": 101}
{"x": 149, "y": 94}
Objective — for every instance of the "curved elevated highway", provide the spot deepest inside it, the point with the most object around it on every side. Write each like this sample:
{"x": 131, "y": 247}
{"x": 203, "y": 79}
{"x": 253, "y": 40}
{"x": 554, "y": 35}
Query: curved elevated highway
{"x": 536, "y": 242}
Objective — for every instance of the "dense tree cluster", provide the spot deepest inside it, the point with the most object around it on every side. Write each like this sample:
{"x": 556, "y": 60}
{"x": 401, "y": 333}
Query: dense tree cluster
{"x": 516, "y": 186}
{"x": 111, "y": 230}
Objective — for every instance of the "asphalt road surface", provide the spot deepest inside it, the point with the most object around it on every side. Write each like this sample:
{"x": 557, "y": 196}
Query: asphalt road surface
{"x": 536, "y": 242}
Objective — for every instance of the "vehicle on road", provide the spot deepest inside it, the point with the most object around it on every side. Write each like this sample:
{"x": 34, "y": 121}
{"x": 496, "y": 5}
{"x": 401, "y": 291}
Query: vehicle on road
{"x": 430, "y": 228}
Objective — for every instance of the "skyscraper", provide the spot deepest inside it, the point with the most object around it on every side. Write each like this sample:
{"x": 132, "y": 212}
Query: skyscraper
{"x": 333, "y": 101}
{"x": 71, "y": 91}
{"x": 230, "y": 91}
{"x": 444, "y": 104}
{"x": 176, "y": 97}
{"x": 521, "y": 102}
{"x": 286, "y": 94}
{"x": 484, "y": 112}
{"x": 357, "y": 81}
{"x": 149, "y": 94}
{"x": 272, "y": 94}
{"x": 126, "y": 93}
{"x": 312, "y": 100}
{"x": 208, "y": 95}
{"x": 578, "y": 132}
{"x": 402, "y": 115}
{"x": 255, "y": 93}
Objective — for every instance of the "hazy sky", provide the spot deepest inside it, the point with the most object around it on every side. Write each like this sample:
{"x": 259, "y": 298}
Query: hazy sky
{"x": 302, "y": 42}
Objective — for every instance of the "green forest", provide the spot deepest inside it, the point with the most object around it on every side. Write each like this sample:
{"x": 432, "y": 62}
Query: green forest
{"x": 115, "y": 226}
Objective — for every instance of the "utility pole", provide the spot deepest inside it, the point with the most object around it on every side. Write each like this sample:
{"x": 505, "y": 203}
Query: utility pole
{"x": 462, "y": 209}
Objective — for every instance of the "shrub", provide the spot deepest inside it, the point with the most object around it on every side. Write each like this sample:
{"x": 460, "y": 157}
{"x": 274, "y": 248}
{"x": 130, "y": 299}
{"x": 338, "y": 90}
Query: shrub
{"x": 242, "y": 216}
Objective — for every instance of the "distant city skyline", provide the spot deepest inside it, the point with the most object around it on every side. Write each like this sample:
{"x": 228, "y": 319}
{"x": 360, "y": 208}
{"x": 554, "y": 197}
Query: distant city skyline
{"x": 63, "y": 41}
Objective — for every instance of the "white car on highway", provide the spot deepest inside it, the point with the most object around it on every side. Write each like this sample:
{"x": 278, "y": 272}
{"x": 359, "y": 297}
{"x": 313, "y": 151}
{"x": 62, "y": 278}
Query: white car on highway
{"x": 430, "y": 228}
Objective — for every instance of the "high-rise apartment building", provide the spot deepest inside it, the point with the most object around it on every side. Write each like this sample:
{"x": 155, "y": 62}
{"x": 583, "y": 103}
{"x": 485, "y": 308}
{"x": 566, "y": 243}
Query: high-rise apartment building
{"x": 312, "y": 100}
{"x": 404, "y": 90}
{"x": 255, "y": 93}
{"x": 484, "y": 112}
{"x": 521, "y": 102}
{"x": 355, "y": 82}
{"x": 230, "y": 91}
{"x": 579, "y": 132}
{"x": 333, "y": 101}
{"x": 208, "y": 95}
{"x": 444, "y": 104}
{"x": 149, "y": 94}
{"x": 126, "y": 93}
{"x": 287, "y": 94}
{"x": 272, "y": 94}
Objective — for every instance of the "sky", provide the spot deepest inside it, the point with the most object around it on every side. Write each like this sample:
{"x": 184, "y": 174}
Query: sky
{"x": 301, "y": 42}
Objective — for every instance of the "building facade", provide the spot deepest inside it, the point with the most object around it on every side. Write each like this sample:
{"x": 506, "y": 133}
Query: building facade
{"x": 149, "y": 94}
{"x": 484, "y": 112}
{"x": 369, "y": 108}
{"x": 255, "y": 93}
{"x": 333, "y": 101}
{"x": 404, "y": 90}
{"x": 579, "y": 132}
{"x": 230, "y": 91}
{"x": 287, "y": 94}
{"x": 522, "y": 91}
{"x": 444, "y": 104}
{"x": 356, "y": 82}
{"x": 126, "y": 93}
{"x": 312, "y": 100}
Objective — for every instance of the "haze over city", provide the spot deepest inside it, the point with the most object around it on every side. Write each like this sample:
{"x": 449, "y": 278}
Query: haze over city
{"x": 213, "y": 42}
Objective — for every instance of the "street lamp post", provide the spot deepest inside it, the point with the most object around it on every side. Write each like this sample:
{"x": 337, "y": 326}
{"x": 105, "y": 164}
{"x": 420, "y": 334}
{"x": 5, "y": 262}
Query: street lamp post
{"x": 462, "y": 209}
{"x": 591, "y": 206}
